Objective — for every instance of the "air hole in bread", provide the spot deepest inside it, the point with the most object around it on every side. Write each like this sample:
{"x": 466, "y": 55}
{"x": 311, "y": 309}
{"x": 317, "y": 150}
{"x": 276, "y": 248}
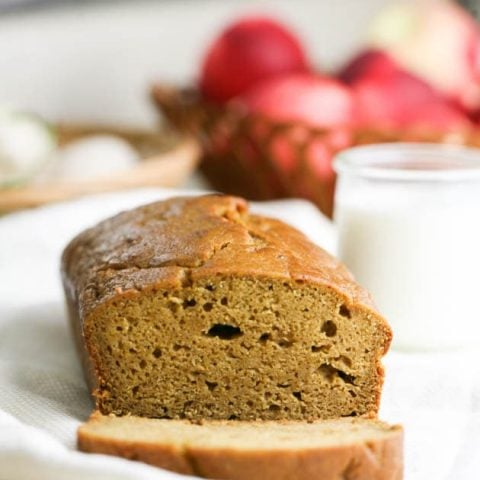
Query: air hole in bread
{"x": 157, "y": 353}
{"x": 346, "y": 377}
{"x": 321, "y": 348}
{"x": 264, "y": 337}
{"x": 274, "y": 408}
{"x": 224, "y": 332}
{"x": 329, "y": 373}
{"x": 191, "y": 302}
{"x": 177, "y": 347}
{"x": 211, "y": 385}
{"x": 329, "y": 328}
{"x": 344, "y": 311}
{"x": 297, "y": 395}
{"x": 143, "y": 363}
{"x": 208, "y": 306}
{"x": 135, "y": 389}
{"x": 224, "y": 301}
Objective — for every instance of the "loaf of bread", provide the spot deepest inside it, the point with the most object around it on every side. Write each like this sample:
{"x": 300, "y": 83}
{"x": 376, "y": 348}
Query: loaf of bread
{"x": 195, "y": 308}
{"x": 350, "y": 449}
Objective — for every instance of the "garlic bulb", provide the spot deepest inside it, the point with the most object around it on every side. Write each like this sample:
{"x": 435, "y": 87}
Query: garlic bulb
{"x": 27, "y": 143}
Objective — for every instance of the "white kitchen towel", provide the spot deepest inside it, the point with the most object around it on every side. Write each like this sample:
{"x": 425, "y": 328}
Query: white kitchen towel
{"x": 43, "y": 397}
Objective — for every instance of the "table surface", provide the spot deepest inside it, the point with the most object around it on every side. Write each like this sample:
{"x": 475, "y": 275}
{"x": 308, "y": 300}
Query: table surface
{"x": 43, "y": 398}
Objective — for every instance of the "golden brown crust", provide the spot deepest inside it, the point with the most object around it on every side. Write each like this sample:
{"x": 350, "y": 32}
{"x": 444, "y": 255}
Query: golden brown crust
{"x": 376, "y": 459}
{"x": 163, "y": 456}
{"x": 379, "y": 460}
{"x": 170, "y": 242}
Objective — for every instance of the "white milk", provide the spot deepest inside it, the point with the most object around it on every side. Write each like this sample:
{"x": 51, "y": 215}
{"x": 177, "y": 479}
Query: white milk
{"x": 416, "y": 247}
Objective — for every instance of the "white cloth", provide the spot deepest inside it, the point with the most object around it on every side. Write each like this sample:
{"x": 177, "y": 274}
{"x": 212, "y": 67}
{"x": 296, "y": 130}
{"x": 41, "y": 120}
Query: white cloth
{"x": 43, "y": 397}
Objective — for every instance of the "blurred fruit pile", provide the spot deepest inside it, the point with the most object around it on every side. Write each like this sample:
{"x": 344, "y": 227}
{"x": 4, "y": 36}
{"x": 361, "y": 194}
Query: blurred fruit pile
{"x": 270, "y": 123}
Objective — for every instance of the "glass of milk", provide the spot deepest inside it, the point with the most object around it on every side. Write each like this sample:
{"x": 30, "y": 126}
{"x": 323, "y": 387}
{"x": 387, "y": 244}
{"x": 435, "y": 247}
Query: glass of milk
{"x": 408, "y": 218}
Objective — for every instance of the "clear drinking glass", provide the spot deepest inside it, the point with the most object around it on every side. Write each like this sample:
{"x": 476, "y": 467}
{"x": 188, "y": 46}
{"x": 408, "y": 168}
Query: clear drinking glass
{"x": 408, "y": 218}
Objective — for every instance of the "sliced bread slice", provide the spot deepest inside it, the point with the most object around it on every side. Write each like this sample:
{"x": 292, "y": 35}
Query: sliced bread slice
{"x": 346, "y": 449}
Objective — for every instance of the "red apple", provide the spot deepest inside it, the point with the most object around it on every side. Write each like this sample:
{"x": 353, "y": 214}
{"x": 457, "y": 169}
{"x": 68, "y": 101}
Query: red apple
{"x": 312, "y": 118}
{"x": 369, "y": 63}
{"x": 391, "y": 97}
{"x": 437, "y": 41}
{"x": 248, "y": 51}
{"x": 314, "y": 100}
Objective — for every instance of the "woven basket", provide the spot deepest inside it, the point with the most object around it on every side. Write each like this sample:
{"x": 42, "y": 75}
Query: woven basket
{"x": 249, "y": 155}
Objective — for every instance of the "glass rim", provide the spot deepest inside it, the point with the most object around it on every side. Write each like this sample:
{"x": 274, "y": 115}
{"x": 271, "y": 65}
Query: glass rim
{"x": 410, "y": 162}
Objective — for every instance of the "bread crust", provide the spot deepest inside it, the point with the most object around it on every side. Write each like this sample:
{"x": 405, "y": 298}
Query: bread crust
{"x": 168, "y": 243}
{"x": 378, "y": 459}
